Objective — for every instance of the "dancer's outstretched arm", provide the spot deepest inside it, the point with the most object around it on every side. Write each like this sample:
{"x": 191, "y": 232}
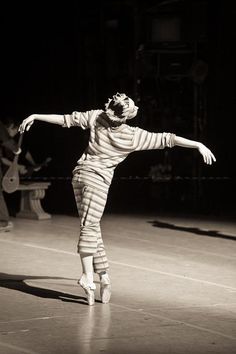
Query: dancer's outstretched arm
{"x": 49, "y": 118}
{"x": 208, "y": 156}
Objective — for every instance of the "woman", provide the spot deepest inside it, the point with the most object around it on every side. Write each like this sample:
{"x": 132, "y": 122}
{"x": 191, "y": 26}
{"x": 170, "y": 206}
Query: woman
{"x": 111, "y": 141}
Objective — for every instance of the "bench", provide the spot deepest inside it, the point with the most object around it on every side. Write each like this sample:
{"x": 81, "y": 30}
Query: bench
{"x": 31, "y": 195}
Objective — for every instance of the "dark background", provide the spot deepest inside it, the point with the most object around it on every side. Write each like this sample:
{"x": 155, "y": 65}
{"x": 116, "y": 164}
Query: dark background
{"x": 176, "y": 59}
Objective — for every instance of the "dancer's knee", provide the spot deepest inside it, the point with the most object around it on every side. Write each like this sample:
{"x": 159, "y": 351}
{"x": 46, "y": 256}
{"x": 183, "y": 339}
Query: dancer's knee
{"x": 88, "y": 240}
{"x": 90, "y": 228}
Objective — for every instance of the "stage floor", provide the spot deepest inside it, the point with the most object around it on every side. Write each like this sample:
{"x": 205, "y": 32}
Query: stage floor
{"x": 173, "y": 287}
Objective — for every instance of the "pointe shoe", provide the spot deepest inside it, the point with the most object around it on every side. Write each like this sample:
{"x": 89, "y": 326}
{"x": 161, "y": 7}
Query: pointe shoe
{"x": 105, "y": 288}
{"x": 89, "y": 291}
{"x": 90, "y": 296}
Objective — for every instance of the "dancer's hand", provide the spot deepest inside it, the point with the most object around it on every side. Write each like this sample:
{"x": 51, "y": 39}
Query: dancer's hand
{"x": 26, "y": 124}
{"x": 208, "y": 156}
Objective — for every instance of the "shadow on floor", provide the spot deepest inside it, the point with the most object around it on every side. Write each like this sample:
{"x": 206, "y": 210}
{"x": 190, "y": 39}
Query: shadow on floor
{"x": 18, "y": 282}
{"x": 194, "y": 230}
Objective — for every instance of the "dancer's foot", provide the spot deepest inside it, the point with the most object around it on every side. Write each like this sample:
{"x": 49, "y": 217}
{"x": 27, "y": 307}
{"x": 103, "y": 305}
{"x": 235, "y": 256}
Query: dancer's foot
{"x": 90, "y": 295}
{"x": 89, "y": 289}
{"x": 105, "y": 288}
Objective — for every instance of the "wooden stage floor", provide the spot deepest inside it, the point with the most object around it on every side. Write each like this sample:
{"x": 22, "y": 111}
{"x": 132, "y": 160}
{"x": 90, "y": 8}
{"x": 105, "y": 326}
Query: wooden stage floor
{"x": 173, "y": 283}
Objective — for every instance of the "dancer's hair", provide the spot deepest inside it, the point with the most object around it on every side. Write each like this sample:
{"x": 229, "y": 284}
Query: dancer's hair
{"x": 120, "y": 107}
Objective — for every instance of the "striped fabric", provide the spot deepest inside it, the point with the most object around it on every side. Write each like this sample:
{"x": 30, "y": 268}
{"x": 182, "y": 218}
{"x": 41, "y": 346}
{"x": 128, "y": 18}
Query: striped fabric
{"x": 108, "y": 146}
{"x": 90, "y": 204}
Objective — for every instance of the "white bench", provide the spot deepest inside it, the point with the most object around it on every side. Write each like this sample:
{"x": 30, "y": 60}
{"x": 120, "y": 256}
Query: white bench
{"x": 31, "y": 195}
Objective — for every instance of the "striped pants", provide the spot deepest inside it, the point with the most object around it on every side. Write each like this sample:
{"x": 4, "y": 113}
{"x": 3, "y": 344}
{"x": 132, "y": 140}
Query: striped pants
{"x": 90, "y": 203}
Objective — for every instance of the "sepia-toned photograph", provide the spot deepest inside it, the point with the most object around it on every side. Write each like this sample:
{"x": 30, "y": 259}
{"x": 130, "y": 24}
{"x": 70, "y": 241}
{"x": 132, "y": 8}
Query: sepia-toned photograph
{"x": 117, "y": 177}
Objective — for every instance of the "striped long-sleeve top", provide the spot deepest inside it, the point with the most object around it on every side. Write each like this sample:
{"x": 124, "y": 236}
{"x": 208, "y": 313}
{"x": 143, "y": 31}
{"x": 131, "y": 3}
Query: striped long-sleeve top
{"x": 109, "y": 145}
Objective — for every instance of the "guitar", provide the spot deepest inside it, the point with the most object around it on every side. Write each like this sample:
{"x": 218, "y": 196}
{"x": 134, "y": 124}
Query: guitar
{"x": 11, "y": 180}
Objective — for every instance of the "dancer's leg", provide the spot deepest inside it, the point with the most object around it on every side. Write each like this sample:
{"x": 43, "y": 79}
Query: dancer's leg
{"x": 90, "y": 203}
{"x": 86, "y": 280}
